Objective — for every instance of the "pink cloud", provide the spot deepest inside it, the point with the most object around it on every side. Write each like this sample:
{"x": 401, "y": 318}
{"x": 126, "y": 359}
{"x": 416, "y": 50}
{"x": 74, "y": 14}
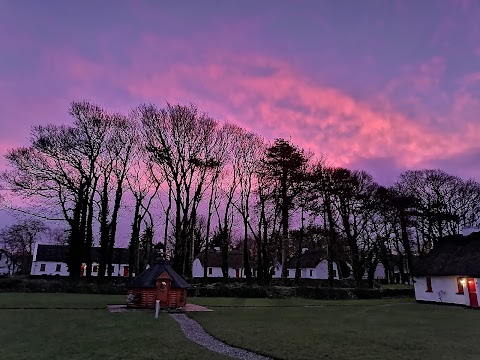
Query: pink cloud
{"x": 287, "y": 104}
{"x": 275, "y": 99}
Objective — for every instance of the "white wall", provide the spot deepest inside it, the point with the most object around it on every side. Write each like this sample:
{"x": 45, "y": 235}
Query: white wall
{"x": 50, "y": 269}
{"x": 4, "y": 270}
{"x": 197, "y": 271}
{"x": 444, "y": 289}
{"x": 319, "y": 272}
{"x": 379, "y": 272}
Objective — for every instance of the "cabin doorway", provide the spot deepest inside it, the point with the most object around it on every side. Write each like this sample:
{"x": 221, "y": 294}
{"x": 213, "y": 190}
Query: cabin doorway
{"x": 237, "y": 273}
{"x": 162, "y": 287}
{"x": 472, "y": 292}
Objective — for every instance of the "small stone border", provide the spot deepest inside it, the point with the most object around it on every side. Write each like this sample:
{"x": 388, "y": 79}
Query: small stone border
{"x": 195, "y": 332}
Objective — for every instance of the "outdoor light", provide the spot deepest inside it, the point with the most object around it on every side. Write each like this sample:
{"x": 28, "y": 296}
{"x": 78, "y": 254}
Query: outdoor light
{"x": 463, "y": 282}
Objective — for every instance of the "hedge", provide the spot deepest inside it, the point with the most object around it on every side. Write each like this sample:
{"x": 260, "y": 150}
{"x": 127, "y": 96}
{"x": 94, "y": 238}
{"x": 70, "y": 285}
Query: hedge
{"x": 238, "y": 290}
{"x": 26, "y": 285}
{"x": 309, "y": 292}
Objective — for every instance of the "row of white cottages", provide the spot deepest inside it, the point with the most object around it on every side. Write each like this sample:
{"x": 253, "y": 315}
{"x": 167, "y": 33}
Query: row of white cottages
{"x": 51, "y": 260}
{"x": 313, "y": 265}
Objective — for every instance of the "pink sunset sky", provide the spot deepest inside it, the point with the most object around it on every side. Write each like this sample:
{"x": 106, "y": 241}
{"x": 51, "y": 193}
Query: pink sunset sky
{"x": 377, "y": 85}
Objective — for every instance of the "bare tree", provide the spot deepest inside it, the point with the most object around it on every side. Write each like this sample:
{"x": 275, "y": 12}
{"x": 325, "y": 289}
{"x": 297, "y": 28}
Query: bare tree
{"x": 19, "y": 241}
{"x": 177, "y": 138}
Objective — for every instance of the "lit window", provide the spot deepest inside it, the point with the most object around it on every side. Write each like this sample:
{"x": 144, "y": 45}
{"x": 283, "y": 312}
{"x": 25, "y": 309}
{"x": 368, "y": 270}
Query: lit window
{"x": 42, "y": 267}
{"x": 429, "y": 284}
{"x": 460, "y": 283}
{"x": 58, "y": 268}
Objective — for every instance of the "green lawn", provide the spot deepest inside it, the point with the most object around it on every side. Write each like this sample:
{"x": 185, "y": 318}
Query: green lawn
{"x": 293, "y": 302}
{"x": 378, "y": 332}
{"x": 74, "y": 334}
{"x": 58, "y": 301}
{"x": 73, "y": 326}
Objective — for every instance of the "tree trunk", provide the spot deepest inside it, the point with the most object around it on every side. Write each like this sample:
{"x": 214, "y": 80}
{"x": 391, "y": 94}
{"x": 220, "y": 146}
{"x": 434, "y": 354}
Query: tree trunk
{"x": 246, "y": 262}
{"x": 104, "y": 231}
{"x": 135, "y": 241}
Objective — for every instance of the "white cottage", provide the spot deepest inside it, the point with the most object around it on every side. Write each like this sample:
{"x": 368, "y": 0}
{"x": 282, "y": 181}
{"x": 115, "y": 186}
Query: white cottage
{"x": 52, "y": 260}
{"x": 214, "y": 264}
{"x": 450, "y": 273}
{"x": 313, "y": 265}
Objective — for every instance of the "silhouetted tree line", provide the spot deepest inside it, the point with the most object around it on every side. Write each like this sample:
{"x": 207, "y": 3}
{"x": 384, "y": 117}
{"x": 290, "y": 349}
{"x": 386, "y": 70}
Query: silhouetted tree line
{"x": 199, "y": 183}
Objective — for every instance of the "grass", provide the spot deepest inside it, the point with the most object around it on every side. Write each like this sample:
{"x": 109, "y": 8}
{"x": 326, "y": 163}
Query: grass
{"x": 57, "y": 301}
{"x": 67, "y": 333}
{"x": 397, "y": 286}
{"x": 292, "y": 302}
{"x": 74, "y": 326}
{"x": 385, "y": 332}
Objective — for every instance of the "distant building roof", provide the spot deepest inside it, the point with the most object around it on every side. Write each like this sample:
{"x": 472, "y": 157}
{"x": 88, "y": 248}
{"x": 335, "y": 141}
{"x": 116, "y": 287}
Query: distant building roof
{"x": 148, "y": 278}
{"x": 309, "y": 259}
{"x": 452, "y": 255}
{"x": 59, "y": 253}
{"x": 235, "y": 258}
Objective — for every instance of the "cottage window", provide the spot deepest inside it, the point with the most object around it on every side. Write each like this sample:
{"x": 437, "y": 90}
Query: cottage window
{"x": 95, "y": 268}
{"x": 311, "y": 272}
{"x": 210, "y": 271}
{"x": 334, "y": 273}
{"x": 42, "y": 267}
{"x": 429, "y": 284}
{"x": 460, "y": 283}
{"x": 58, "y": 268}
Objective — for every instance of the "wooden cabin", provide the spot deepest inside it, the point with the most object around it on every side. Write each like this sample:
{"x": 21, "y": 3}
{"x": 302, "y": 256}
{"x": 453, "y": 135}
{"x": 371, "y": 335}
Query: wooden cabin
{"x": 159, "y": 282}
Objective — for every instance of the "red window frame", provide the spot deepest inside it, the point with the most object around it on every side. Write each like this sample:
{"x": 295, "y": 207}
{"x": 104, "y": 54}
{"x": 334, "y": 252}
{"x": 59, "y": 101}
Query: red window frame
{"x": 429, "y": 284}
{"x": 460, "y": 287}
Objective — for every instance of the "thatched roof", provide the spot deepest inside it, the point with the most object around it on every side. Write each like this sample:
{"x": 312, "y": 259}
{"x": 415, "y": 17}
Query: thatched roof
{"x": 59, "y": 253}
{"x": 148, "y": 278}
{"x": 453, "y": 255}
{"x": 309, "y": 259}
{"x": 235, "y": 258}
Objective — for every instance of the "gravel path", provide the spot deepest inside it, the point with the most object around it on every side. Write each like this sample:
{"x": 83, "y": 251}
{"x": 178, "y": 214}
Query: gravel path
{"x": 195, "y": 332}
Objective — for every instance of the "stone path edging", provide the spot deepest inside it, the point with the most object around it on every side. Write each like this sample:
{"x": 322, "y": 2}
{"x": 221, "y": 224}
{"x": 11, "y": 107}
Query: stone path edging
{"x": 195, "y": 332}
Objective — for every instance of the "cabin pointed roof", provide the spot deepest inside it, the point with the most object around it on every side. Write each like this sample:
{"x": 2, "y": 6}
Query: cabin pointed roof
{"x": 453, "y": 255}
{"x": 148, "y": 278}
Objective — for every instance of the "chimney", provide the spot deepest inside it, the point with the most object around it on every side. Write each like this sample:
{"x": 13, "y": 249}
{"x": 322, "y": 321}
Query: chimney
{"x": 468, "y": 230}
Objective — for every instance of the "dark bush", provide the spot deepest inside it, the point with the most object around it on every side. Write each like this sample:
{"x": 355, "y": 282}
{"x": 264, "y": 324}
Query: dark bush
{"x": 57, "y": 285}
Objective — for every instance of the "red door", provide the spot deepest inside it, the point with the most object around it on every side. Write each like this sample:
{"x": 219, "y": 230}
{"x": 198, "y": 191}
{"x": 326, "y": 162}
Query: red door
{"x": 472, "y": 292}
{"x": 237, "y": 273}
{"x": 163, "y": 289}
{"x": 125, "y": 271}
